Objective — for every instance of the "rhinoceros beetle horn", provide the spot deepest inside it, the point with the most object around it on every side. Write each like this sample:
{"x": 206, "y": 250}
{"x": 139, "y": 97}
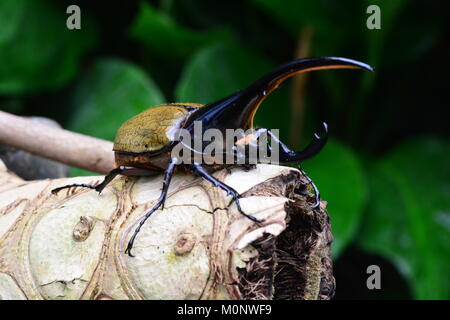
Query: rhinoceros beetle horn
{"x": 238, "y": 110}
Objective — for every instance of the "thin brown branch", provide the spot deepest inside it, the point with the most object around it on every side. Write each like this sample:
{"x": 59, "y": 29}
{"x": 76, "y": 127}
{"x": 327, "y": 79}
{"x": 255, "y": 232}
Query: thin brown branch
{"x": 57, "y": 144}
{"x": 298, "y": 88}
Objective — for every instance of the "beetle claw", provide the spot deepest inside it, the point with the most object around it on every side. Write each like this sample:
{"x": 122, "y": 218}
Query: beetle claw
{"x": 316, "y": 190}
{"x": 238, "y": 205}
{"x": 128, "y": 251}
{"x": 316, "y": 205}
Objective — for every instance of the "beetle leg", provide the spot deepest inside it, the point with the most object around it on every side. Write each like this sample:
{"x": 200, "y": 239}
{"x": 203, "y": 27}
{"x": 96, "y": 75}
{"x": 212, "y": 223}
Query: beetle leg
{"x": 162, "y": 198}
{"x": 316, "y": 190}
{"x": 199, "y": 170}
{"x": 287, "y": 151}
{"x": 248, "y": 167}
{"x": 99, "y": 188}
{"x": 288, "y": 156}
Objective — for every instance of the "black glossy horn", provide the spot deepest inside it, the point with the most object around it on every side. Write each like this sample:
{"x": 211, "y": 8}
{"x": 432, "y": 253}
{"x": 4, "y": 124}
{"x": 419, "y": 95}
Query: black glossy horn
{"x": 238, "y": 109}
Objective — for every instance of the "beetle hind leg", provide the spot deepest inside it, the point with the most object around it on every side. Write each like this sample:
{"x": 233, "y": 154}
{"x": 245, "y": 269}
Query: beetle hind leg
{"x": 200, "y": 171}
{"x": 99, "y": 188}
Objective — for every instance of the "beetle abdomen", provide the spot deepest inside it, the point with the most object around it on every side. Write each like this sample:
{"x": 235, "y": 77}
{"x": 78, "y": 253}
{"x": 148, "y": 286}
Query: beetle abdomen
{"x": 152, "y": 129}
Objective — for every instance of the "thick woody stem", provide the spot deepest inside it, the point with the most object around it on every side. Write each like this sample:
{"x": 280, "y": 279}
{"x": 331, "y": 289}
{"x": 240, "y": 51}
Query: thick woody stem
{"x": 71, "y": 245}
{"x": 57, "y": 144}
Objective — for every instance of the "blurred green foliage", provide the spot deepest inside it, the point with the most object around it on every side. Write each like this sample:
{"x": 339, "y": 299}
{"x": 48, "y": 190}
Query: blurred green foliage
{"x": 160, "y": 34}
{"x": 385, "y": 173}
{"x": 410, "y": 222}
{"x": 37, "y": 53}
{"x": 199, "y": 81}
{"x": 113, "y": 90}
{"x": 340, "y": 180}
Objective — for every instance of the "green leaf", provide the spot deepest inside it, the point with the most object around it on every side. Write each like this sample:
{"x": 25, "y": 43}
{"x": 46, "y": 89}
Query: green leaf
{"x": 409, "y": 214}
{"x": 165, "y": 37}
{"x": 11, "y": 13}
{"x": 295, "y": 14}
{"x": 338, "y": 174}
{"x": 375, "y": 39}
{"x": 389, "y": 11}
{"x": 111, "y": 93}
{"x": 222, "y": 69}
{"x": 328, "y": 20}
{"x": 37, "y": 51}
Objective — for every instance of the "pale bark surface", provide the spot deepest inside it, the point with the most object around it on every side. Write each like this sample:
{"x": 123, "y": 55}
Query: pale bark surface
{"x": 71, "y": 246}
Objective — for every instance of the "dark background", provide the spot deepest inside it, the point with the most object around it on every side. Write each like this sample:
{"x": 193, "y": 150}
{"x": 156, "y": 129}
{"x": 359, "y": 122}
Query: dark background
{"x": 386, "y": 170}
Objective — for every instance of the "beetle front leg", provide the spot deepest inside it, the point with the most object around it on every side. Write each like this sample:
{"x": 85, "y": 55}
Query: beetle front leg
{"x": 200, "y": 171}
{"x": 288, "y": 156}
{"x": 286, "y": 152}
{"x": 162, "y": 198}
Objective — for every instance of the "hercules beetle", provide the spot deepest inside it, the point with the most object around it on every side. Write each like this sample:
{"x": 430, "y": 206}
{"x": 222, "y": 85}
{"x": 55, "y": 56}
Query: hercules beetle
{"x": 143, "y": 144}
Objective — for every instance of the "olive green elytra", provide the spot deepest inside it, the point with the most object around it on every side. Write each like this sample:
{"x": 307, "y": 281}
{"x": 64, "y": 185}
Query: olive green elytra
{"x": 152, "y": 129}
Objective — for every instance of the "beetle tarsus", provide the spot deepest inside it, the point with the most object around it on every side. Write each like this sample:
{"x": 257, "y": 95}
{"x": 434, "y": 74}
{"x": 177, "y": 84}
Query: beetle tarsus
{"x": 82, "y": 185}
{"x": 99, "y": 187}
{"x": 141, "y": 223}
{"x": 248, "y": 167}
{"x": 200, "y": 171}
{"x": 128, "y": 249}
{"x": 238, "y": 205}
{"x": 316, "y": 190}
{"x": 162, "y": 198}
{"x": 109, "y": 177}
